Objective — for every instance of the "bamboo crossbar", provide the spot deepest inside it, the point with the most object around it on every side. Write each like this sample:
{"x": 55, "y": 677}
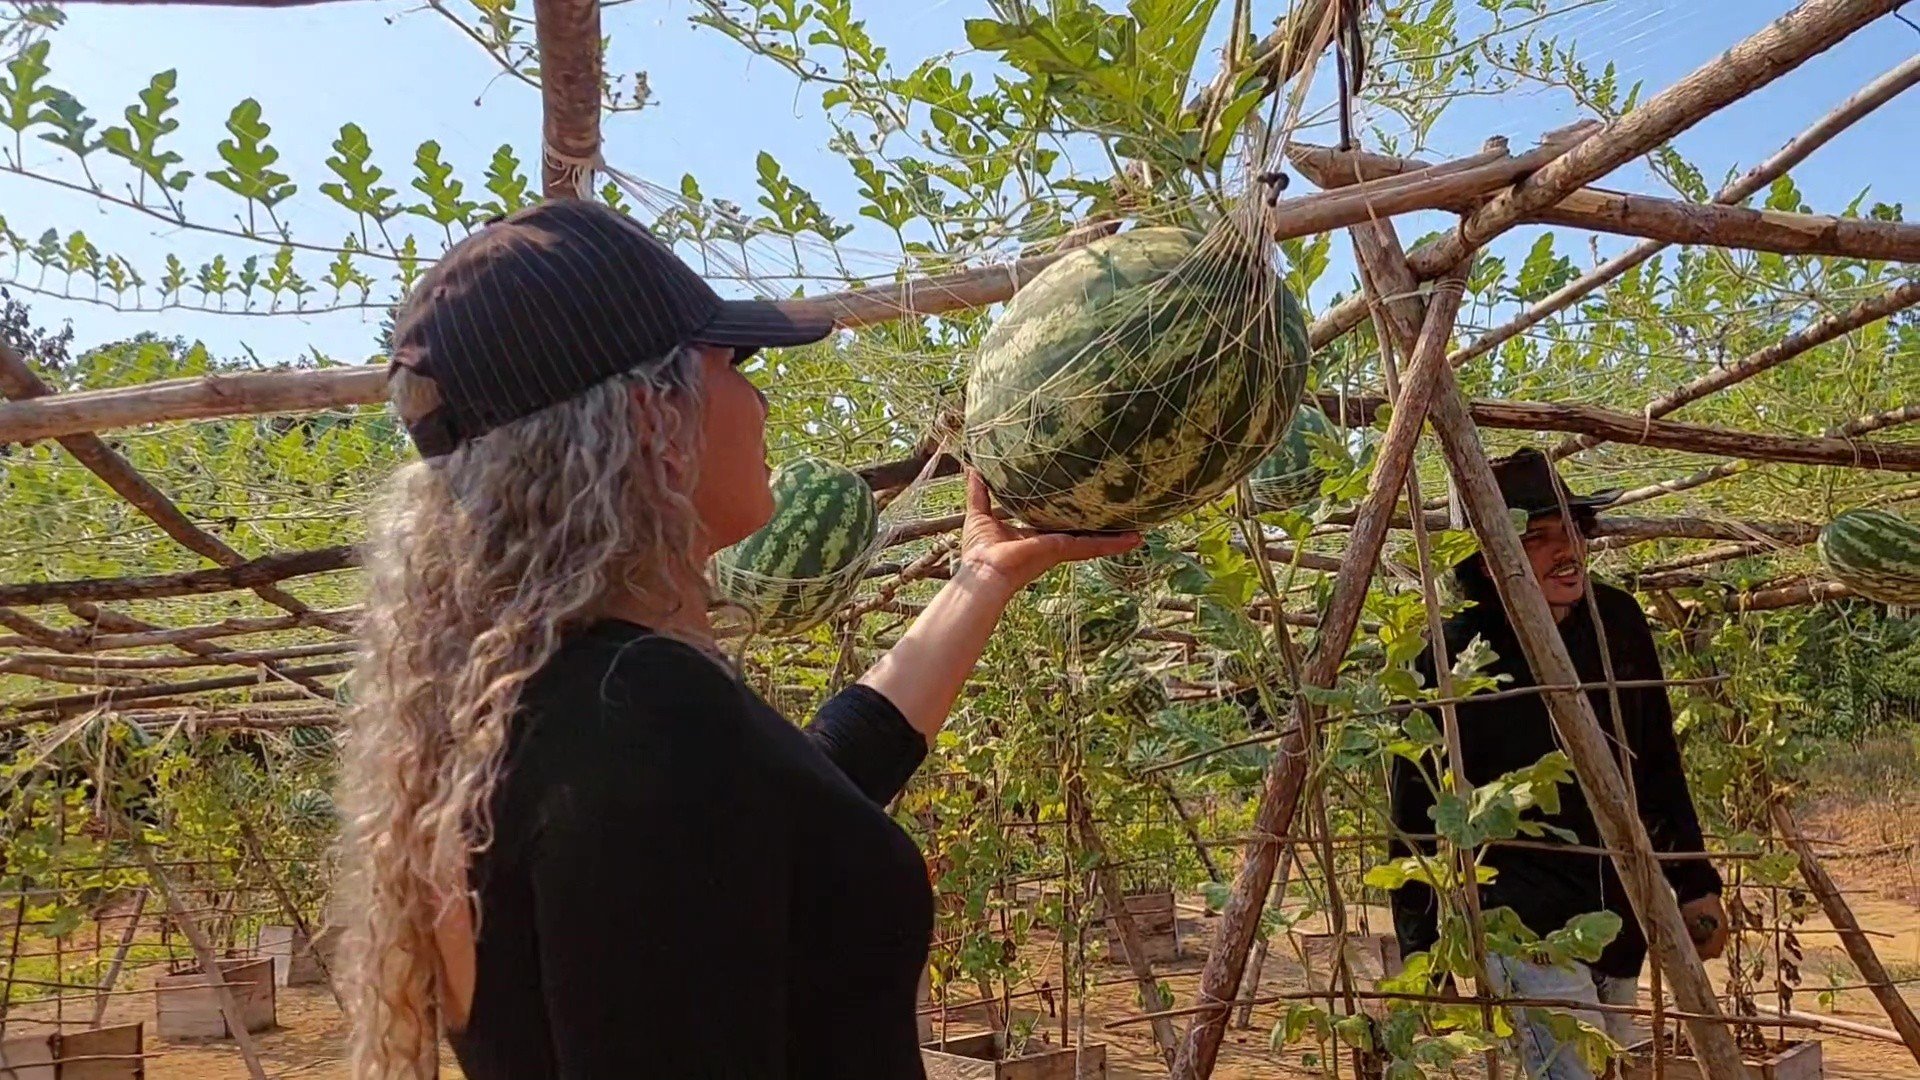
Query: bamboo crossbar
{"x": 1837, "y": 325}
{"x": 1612, "y": 426}
{"x": 318, "y": 389}
{"x": 82, "y": 642}
{"x": 52, "y": 708}
{"x": 266, "y": 569}
{"x": 1667, "y": 221}
{"x": 1870, "y": 97}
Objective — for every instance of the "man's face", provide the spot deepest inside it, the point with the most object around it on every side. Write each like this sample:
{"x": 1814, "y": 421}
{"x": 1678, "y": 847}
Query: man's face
{"x": 1558, "y": 556}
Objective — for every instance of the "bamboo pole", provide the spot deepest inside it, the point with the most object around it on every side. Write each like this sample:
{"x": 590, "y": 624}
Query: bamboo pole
{"x": 1859, "y": 949}
{"x": 1580, "y": 733}
{"x": 1866, "y": 100}
{"x": 1285, "y": 778}
{"x": 1573, "y": 716}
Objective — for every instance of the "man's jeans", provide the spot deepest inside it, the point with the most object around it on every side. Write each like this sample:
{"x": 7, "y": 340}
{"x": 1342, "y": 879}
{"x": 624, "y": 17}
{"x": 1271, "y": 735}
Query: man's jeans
{"x": 1545, "y": 1058}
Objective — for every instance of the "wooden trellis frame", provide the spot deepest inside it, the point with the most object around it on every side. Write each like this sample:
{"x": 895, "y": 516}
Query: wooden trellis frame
{"x": 1493, "y": 191}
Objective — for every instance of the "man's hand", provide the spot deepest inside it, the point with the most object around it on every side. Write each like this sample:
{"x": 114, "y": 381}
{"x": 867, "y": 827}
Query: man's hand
{"x": 1706, "y": 922}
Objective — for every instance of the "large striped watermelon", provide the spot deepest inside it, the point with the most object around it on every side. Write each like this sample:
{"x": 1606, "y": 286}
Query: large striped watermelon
{"x": 1876, "y": 554}
{"x": 1288, "y": 477}
{"x": 806, "y": 560}
{"x": 1135, "y": 379}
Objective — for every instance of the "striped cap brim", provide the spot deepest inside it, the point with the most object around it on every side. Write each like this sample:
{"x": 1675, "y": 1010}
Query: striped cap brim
{"x": 750, "y": 325}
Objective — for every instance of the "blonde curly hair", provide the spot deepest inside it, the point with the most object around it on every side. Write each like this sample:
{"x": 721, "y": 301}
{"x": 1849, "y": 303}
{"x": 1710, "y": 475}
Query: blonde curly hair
{"x": 478, "y": 564}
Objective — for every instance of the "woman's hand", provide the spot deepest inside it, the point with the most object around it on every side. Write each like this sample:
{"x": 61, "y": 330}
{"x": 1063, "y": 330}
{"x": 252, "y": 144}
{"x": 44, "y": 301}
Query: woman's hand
{"x": 923, "y": 673}
{"x": 1018, "y": 556}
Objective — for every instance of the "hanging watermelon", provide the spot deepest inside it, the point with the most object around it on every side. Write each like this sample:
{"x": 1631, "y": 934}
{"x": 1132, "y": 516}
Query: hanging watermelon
{"x": 806, "y": 560}
{"x": 1875, "y": 553}
{"x": 1135, "y": 379}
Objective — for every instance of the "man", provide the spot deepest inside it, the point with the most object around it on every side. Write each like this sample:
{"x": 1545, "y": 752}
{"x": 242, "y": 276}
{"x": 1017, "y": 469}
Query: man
{"x": 1547, "y": 888}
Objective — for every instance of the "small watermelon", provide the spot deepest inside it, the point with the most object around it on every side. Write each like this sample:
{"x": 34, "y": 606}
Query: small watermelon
{"x": 1138, "y": 567}
{"x": 1135, "y": 379}
{"x": 1090, "y": 624}
{"x": 311, "y": 807}
{"x": 1131, "y": 690}
{"x": 1289, "y": 476}
{"x": 806, "y": 561}
{"x": 1876, "y": 554}
{"x": 314, "y": 740}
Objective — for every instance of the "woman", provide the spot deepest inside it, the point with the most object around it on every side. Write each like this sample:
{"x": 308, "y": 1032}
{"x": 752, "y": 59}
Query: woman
{"x": 578, "y": 842}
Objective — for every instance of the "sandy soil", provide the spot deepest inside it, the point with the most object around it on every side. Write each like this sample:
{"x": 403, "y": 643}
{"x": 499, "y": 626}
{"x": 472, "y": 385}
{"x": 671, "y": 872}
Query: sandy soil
{"x": 1884, "y": 889}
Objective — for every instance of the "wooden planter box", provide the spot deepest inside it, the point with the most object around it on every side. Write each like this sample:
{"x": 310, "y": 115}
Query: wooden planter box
{"x": 982, "y": 1057}
{"x": 1368, "y": 955}
{"x": 295, "y": 962}
{"x": 1793, "y": 1061}
{"x": 113, "y": 1053}
{"x": 1158, "y": 922}
{"x": 187, "y": 1006}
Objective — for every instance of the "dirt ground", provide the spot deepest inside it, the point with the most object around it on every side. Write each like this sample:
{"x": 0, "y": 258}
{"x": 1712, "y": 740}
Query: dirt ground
{"x": 1883, "y": 887}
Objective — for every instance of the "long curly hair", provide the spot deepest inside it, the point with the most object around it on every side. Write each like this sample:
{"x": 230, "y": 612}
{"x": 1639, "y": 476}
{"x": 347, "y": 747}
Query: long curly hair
{"x": 478, "y": 564}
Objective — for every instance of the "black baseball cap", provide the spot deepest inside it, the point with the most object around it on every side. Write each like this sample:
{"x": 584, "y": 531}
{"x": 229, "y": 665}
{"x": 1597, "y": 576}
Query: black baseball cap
{"x": 538, "y": 306}
{"x": 1529, "y": 482}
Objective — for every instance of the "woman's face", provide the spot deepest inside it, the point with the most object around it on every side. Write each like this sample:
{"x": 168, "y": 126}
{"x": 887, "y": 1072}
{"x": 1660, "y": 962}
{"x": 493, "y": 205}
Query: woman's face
{"x": 731, "y": 493}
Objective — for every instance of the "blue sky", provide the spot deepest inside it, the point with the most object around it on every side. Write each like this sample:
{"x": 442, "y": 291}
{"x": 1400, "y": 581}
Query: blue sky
{"x": 405, "y": 75}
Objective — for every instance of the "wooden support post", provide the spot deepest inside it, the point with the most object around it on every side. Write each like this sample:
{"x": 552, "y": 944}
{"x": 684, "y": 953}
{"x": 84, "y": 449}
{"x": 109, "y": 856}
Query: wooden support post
{"x": 1250, "y": 985}
{"x": 1280, "y": 794}
{"x": 1187, "y": 826}
{"x": 305, "y": 937}
{"x": 202, "y": 948}
{"x": 119, "y": 956}
{"x": 568, "y": 32}
{"x": 1573, "y": 716}
{"x": 1859, "y": 949}
{"x": 1114, "y": 903}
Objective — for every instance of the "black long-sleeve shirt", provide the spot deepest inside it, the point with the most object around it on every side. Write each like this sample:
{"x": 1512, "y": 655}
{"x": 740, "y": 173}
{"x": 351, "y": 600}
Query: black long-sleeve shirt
{"x": 1547, "y": 888}
{"x": 683, "y": 884}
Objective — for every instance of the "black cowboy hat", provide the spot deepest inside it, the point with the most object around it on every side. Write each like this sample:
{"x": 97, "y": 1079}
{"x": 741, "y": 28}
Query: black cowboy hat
{"x": 1529, "y": 482}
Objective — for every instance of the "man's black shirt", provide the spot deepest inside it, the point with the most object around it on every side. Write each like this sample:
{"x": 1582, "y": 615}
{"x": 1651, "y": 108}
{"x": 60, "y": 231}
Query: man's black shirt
{"x": 1545, "y": 889}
